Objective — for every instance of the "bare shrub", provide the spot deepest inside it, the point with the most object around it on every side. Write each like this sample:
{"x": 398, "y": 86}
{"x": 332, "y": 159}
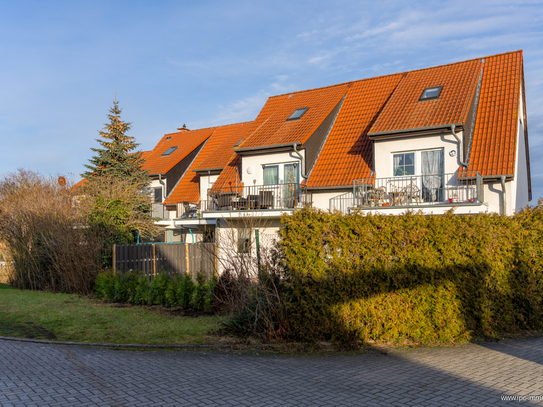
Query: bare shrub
{"x": 250, "y": 285}
{"x": 47, "y": 242}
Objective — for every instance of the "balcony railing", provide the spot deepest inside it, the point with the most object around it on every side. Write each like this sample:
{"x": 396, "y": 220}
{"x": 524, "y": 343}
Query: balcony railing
{"x": 278, "y": 197}
{"x": 419, "y": 190}
{"x": 159, "y": 211}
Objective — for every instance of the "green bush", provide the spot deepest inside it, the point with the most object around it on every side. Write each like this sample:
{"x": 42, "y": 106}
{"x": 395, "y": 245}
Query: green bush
{"x": 136, "y": 288}
{"x": 423, "y": 278}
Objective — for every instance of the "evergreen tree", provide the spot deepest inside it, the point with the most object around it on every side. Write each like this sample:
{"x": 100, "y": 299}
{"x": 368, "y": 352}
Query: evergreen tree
{"x": 115, "y": 159}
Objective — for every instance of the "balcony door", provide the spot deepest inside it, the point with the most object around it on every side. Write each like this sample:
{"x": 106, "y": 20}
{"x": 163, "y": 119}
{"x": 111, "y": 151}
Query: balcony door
{"x": 432, "y": 169}
{"x": 291, "y": 185}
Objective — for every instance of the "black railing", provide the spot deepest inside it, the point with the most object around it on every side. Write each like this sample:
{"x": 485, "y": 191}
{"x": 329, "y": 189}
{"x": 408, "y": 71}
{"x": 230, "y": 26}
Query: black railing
{"x": 279, "y": 196}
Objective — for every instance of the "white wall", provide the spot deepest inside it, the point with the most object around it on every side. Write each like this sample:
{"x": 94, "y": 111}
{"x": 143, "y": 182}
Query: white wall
{"x": 321, "y": 200}
{"x": 206, "y": 182}
{"x": 520, "y": 187}
{"x": 255, "y": 162}
{"x": 384, "y": 149}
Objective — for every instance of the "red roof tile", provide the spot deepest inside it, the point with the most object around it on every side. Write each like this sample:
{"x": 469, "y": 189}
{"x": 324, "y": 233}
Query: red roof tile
{"x": 276, "y": 129}
{"x": 185, "y": 141}
{"x": 225, "y": 151}
{"x": 347, "y": 153}
{"x": 188, "y": 188}
{"x": 405, "y": 111}
{"x": 495, "y": 137}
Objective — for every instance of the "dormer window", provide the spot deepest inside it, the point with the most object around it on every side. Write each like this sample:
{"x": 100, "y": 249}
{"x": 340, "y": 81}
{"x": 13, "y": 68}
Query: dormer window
{"x": 169, "y": 151}
{"x": 431, "y": 93}
{"x": 298, "y": 113}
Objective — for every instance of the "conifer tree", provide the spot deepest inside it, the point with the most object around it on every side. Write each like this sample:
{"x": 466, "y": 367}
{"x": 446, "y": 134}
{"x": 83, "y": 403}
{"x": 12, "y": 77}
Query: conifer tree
{"x": 115, "y": 158}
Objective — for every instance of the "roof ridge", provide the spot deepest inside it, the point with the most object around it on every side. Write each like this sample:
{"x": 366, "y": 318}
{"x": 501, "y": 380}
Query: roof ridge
{"x": 209, "y": 127}
{"x": 397, "y": 73}
{"x": 463, "y": 62}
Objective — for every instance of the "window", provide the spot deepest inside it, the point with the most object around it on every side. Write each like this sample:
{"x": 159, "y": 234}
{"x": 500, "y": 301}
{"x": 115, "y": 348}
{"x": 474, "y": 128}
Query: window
{"x": 271, "y": 175}
{"x": 244, "y": 240}
{"x": 158, "y": 195}
{"x": 169, "y": 151}
{"x": 431, "y": 93}
{"x": 404, "y": 164}
{"x": 298, "y": 113}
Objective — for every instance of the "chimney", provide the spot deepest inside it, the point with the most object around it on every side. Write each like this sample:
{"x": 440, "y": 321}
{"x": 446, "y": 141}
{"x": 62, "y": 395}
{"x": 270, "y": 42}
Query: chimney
{"x": 184, "y": 128}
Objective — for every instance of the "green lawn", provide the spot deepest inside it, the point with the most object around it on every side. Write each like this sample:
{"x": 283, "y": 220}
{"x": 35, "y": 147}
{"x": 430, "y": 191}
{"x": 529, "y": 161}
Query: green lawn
{"x": 64, "y": 317}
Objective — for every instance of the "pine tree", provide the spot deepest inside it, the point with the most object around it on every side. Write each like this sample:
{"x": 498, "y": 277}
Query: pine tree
{"x": 115, "y": 159}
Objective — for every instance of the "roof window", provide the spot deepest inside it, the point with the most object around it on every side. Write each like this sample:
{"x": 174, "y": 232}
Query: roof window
{"x": 298, "y": 113}
{"x": 431, "y": 93}
{"x": 169, "y": 151}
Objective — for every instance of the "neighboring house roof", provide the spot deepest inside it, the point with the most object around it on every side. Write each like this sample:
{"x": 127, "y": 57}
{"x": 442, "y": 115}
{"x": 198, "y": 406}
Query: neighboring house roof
{"x": 220, "y": 157}
{"x": 188, "y": 187}
{"x": 185, "y": 141}
{"x": 348, "y": 152}
{"x": 278, "y": 130}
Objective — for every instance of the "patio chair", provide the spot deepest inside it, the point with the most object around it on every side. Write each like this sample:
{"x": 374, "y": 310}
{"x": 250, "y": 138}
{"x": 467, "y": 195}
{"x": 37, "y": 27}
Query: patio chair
{"x": 266, "y": 199}
{"x": 376, "y": 197}
{"x": 412, "y": 194}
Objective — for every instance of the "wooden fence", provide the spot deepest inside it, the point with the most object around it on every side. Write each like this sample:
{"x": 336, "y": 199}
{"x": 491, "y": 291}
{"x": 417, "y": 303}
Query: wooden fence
{"x": 171, "y": 258}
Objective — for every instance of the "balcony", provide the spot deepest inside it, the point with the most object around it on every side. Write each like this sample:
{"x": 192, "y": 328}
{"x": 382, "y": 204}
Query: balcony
{"x": 257, "y": 197}
{"x": 415, "y": 191}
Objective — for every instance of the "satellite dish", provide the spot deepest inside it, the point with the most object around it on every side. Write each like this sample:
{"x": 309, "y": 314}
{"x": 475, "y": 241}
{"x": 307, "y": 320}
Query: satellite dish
{"x": 61, "y": 181}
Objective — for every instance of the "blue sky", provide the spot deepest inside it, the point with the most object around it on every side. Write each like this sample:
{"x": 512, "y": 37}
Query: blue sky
{"x": 215, "y": 62}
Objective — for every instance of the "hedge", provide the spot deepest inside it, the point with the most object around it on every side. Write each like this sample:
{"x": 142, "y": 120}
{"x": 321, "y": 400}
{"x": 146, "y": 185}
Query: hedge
{"x": 418, "y": 277}
{"x": 139, "y": 289}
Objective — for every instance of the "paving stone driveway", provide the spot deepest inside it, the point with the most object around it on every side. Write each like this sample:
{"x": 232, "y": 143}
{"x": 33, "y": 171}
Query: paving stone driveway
{"x": 473, "y": 375}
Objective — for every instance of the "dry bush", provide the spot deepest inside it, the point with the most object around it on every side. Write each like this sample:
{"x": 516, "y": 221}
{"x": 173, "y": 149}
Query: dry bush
{"x": 250, "y": 285}
{"x": 47, "y": 242}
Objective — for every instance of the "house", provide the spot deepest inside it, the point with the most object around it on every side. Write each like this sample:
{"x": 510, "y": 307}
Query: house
{"x": 431, "y": 139}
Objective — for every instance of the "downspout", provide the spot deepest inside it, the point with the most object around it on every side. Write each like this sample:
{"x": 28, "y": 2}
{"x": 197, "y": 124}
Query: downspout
{"x": 460, "y": 149}
{"x": 302, "y": 171}
{"x": 191, "y": 235}
{"x": 502, "y": 179}
{"x": 163, "y": 186}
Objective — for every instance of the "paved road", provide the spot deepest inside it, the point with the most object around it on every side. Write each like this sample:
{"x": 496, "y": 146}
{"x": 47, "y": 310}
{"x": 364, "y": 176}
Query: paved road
{"x": 473, "y": 375}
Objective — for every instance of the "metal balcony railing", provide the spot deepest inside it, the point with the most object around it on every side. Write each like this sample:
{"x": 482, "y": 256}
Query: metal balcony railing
{"x": 279, "y": 196}
{"x": 419, "y": 190}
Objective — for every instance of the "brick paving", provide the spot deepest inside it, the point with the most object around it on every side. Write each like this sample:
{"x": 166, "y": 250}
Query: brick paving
{"x": 472, "y": 375}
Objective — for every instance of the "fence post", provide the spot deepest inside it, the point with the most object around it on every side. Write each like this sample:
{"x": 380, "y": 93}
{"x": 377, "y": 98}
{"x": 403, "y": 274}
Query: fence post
{"x": 154, "y": 261}
{"x": 257, "y": 238}
{"x": 187, "y": 256}
{"x": 114, "y": 260}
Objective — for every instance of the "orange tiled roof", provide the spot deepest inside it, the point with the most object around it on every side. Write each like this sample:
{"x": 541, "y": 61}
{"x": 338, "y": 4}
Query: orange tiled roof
{"x": 224, "y": 152}
{"x": 347, "y": 153}
{"x": 186, "y": 142}
{"x": 188, "y": 188}
{"x": 404, "y": 110}
{"x": 495, "y": 137}
{"x": 276, "y": 129}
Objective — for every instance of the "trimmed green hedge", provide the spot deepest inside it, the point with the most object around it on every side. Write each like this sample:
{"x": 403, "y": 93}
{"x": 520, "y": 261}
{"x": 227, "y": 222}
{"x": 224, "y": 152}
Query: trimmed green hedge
{"x": 138, "y": 289}
{"x": 423, "y": 278}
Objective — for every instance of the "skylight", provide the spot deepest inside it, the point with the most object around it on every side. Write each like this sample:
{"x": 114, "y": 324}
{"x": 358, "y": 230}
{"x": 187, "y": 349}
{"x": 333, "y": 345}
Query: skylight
{"x": 169, "y": 151}
{"x": 431, "y": 93}
{"x": 298, "y": 113}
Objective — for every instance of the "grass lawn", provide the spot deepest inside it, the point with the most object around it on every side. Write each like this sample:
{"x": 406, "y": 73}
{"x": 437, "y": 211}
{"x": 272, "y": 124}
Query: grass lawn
{"x": 64, "y": 317}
